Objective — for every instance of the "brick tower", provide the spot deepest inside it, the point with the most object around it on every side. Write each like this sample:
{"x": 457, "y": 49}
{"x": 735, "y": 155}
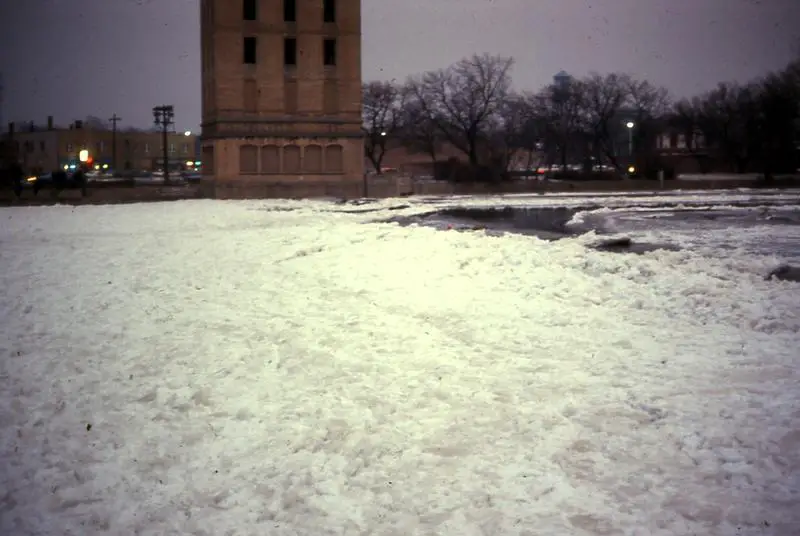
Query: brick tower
{"x": 281, "y": 98}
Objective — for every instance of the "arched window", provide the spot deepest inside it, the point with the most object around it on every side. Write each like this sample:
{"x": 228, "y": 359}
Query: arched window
{"x": 312, "y": 159}
{"x": 291, "y": 159}
{"x": 248, "y": 159}
{"x": 270, "y": 159}
{"x": 334, "y": 159}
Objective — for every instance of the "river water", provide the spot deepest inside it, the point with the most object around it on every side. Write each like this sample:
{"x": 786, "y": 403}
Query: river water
{"x": 764, "y": 230}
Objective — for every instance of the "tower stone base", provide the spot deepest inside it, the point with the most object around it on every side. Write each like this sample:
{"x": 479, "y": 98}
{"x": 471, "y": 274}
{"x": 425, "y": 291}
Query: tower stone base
{"x": 258, "y": 168}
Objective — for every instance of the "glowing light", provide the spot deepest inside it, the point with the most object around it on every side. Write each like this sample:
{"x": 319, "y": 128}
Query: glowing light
{"x": 631, "y": 169}
{"x": 187, "y": 133}
{"x": 629, "y": 124}
{"x": 83, "y": 156}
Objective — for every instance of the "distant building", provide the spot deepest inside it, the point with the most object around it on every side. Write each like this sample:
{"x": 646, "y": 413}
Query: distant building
{"x": 45, "y": 148}
{"x": 686, "y": 152}
{"x": 400, "y": 159}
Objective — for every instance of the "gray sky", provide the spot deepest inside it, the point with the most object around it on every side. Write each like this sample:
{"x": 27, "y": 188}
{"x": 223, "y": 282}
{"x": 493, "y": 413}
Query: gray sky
{"x": 72, "y": 58}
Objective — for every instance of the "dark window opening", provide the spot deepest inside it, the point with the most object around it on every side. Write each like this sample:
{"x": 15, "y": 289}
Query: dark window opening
{"x": 289, "y": 11}
{"x": 329, "y": 52}
{"x": 290, "y": 52}
{"x": 250, "y": 50}
{"x": 329, "y": 11}
{"x": 249, "y": 9}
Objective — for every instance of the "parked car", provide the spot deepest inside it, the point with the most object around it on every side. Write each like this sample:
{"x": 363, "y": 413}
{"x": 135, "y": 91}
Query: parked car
{"x": 46, "y": 180}
{"x": 191, "y": 176}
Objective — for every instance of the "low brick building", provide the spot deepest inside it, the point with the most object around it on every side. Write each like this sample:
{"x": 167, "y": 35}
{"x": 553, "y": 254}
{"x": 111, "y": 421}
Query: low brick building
{"x": 42, "y": 148}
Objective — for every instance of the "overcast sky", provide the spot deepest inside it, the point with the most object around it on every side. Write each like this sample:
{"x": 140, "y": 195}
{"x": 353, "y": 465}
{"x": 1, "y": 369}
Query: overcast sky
{"x": 73, "y": 58}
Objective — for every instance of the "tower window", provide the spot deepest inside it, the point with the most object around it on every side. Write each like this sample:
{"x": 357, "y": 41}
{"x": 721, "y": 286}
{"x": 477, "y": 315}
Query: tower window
{"x": 249, "y": 9}
{"x": 290, "y": 52}
{"x": 289, "y": 11}
{"x": 250, "y": 50}
{"x": 329, "y": 52}
{"x": 329, "y": 11}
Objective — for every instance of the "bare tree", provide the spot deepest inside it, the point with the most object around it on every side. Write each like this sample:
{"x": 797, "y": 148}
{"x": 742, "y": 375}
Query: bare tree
{"x": 382, "y": 107}
{"x": 560, "y": 109}
{"x": 419, "y": 131}
{"x": 95, "y": 123}
{"x": 514, "y": 128}
{"x": 685, "y": 118}
{"x": 461, "y": 99}
{"x": 647, "y": 101}
{"x": 604, "y": 98}
{"x": 773, "y": 132}
{"x": 750, "y": 126}
{"x": 726, "y": 115}
{"x": 533, "y": 132}
{"x": 650, "y": 105}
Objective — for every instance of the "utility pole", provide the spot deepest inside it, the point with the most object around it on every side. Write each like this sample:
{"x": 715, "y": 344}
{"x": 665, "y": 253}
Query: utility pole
{"x": 164, "y": 117}
{"x": 114, "y": 120}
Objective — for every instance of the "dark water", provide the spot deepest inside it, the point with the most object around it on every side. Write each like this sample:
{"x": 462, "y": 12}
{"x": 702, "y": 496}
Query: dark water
{"x": 762, "y": 231}
{"x": 750, "y": 227}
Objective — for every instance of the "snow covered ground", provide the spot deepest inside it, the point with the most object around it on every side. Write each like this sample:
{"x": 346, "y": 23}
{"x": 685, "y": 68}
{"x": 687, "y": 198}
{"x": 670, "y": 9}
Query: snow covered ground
{"x": 252, "y": 368}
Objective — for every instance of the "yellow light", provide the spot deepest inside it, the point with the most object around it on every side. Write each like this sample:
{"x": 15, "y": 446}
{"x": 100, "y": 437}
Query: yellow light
{"x": 105, "y": 166}
{"x": 189, "y": 163}
{"x": 31, "y": 179}
{"x": 83, "y": 156}
{"x": 66, "y": 167}
{"x": 97, "y": 166}
{"x": 631, "y": 169}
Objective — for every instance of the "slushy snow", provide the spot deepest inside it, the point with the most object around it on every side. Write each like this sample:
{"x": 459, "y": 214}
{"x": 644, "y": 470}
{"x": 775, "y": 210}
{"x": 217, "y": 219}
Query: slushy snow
{"x": 276, "y": 368}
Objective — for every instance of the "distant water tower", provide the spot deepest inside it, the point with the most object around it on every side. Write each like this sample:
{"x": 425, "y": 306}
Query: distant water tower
{"x": 562, "y": 79}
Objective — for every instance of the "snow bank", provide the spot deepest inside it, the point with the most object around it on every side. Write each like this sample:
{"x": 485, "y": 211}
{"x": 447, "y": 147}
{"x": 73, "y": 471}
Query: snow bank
{"x": 283, "y": 368}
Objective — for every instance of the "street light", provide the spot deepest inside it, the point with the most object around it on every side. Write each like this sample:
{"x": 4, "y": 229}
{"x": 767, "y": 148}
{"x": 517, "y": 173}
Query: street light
{"x": 630, "y": 125}
{"x": 187, "y": 133}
